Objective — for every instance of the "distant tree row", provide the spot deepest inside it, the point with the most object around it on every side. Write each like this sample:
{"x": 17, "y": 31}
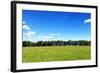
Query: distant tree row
{"x": 57, "y": 43}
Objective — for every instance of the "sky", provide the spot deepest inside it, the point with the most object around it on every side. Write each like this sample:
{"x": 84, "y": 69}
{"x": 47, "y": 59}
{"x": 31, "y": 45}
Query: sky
{"x": 52, "y": 25}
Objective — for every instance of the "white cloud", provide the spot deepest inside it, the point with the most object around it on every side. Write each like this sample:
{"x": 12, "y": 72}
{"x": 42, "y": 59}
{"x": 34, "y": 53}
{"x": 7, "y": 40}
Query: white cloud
{"x": 58, "y": 34}
{"x": 29, "y": 33}
{"x": 87, "y": 21}
{"x": 39, "y": 36}
{"x": 23, "y": 22}
{"x": 45, "y": 36}
{"x": 55, "y": 34}
{"x": 48, "y": 37}
{"x": 26, "y": 27}
{"x": 29, "y": 36}
{"x": 52, "y": 34}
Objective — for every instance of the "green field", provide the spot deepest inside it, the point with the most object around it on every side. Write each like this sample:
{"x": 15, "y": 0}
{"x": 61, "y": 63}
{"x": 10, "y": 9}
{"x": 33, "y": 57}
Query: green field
{"x": 55, "y": 53}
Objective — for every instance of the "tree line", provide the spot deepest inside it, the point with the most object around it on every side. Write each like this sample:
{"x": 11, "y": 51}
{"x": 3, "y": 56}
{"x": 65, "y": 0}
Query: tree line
{"x": 57, "y": 43}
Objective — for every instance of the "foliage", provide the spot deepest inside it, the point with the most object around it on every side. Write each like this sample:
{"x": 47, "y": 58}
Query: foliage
{"x": 27, "y": 43}
{"x": 56, "y": 43}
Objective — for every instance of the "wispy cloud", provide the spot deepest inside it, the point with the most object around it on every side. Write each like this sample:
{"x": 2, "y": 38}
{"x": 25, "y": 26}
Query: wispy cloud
{"x": 48, "y": 37}
{"x": 52, "y": 34}
{"x": 58, "y": 34}
{"x": 23, "y": 22}
{"x": 29, "y": 33}
{"x": 87, "y": 21}
{"x": 26, "y": 27}
{"x": 39, "y": 36}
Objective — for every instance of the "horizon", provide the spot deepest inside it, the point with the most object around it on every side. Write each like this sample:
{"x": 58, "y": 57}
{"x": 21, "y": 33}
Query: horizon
{"x": 57, "y": 40}
{"x": 52, "y": 25}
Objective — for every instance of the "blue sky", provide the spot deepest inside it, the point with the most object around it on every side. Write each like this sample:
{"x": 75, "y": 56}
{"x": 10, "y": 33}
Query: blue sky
{"x": 51, "y": 25}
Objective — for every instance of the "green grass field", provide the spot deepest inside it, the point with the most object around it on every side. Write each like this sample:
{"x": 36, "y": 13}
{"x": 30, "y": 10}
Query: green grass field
{"x": 55, "y": 53}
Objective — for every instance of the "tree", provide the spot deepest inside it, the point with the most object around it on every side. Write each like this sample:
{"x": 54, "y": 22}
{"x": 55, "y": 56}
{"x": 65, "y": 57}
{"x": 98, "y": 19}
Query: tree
{"x": 27, "y": 43}
{"x": 57, "y": 43}
{"x": 39, "y": 43}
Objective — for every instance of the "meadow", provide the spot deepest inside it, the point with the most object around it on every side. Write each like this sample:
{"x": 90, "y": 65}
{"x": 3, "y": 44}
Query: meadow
{"x": 55, "y": 53}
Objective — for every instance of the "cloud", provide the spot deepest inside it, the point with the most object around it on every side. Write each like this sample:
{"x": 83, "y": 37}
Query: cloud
{"x": 45, "y": 37}
{"x": 48, "y": 37}
{"x": 26, "y": 27}
{"x": 39, "y": 36}
{"x": 29, "y": 36}
{"x": 55, "y": 34}
{"x": 29, "y": 33}
{"x": 87, "y": 21}
{"x": 58, "y": 34}
{"x": 23, "y": 22}
{"x": 52, "y": 34}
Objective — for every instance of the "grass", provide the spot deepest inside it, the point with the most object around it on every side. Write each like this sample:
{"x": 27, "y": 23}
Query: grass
{"x": 55, "y": 53}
